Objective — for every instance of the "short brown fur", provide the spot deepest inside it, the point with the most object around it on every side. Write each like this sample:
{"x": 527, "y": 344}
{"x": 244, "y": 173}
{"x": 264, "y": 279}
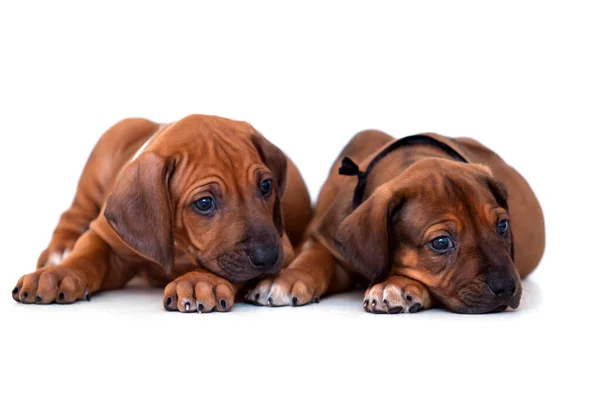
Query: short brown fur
{"x": 133, "y": 214}
{"x": 414, "y": 194}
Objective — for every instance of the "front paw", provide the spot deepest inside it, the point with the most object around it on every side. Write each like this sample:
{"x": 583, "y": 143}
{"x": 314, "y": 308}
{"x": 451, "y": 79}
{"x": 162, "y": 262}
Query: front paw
{"x": 396, "y": 295}
{"x": 199, "y": 291}
{"x": 289, "y": 288}
{"x": 51, "y": 284}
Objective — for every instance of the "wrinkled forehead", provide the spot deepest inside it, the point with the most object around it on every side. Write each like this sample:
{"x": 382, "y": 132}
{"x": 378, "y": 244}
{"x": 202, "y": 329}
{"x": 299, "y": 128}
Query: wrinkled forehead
{"x": 201, "y": 135}
{"x": 211, "y": 150}
{"x": 454, "y": 199}
{"x": 230, "y": 169}
{"x": 443, "y": 182}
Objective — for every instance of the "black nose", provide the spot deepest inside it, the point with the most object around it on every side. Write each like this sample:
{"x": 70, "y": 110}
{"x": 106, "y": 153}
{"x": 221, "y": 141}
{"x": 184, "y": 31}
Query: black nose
{"x": 503, "y": 286}
{"x": 263, "y": 257}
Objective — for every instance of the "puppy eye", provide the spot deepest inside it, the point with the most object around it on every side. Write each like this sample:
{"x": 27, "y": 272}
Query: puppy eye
{"x": 204, "y": 205}
{"x": 441, "y": 244}
{"x": 266, "y": 186}
{"x": 502, "y": 227}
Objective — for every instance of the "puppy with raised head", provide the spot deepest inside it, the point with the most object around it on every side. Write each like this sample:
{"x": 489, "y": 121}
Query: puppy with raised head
{"x": 422, "y": 221}
{"x": 205, "y": 203}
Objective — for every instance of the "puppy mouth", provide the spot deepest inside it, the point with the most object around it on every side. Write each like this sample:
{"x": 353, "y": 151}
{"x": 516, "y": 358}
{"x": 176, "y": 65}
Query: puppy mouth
{"x": 476, "y": 297}
{"x": 491, "y": 307}
{"x": 236, "y": 268}
{"x": 479, "y": 309}
{"x": 480, "y": 304}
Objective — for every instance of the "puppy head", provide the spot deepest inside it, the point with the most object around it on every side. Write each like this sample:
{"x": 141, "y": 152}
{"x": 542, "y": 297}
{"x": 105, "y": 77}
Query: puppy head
{"x": 445, "y": 224}
{"x": 211, "y": 186}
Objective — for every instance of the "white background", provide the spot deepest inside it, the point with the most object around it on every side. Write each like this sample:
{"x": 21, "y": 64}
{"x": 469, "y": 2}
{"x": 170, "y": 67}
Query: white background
{"x": 521, "y": 77}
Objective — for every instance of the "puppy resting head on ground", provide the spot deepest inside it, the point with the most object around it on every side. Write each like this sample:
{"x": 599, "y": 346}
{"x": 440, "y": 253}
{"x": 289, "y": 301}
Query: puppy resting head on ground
{"x": 213, "y": 187}
{"x": 445, "y": 224}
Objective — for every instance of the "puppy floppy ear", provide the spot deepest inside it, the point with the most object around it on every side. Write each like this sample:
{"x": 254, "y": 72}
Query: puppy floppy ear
{"x": 364, "y": 236}
{"x": 276, "y": 161}
{"x": 139, "y": 208}
{"x": 274, "y": 158}
{"x": 499, "y": 191}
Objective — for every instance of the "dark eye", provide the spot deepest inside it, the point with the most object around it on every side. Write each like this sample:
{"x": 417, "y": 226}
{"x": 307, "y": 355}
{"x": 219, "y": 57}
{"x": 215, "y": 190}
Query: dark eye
{"x": 441, "y": 244}
{"x": 266, "y": 186}
{"x": 502, "y": 226}
{"x": 204, "y": 205}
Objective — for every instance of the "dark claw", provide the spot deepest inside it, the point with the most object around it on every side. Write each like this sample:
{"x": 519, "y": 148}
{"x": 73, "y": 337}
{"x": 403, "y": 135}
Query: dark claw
{"x": 256, "y": 296}
{"x": 385, "y": 302}
{"x": 374, "y": 303}
{"x": 408, "y": 298}
{"x": 187, "y": 306}
{"x": 87, "y": 296}
{"x": 366, "y": 304}
{"x": 395, "y": 310}
{"x": 15, "y": 290}
{"x": 24, "y": 295}
{"x": 414, "y": 308}
{"x": 294, "y": 301}
{"x": 269, "y": 301}
{"x": 38, "y": 300}
{"x": 61, "y": 296}
{"x": 200, "y": 307}
{"x": 223, "y": 304}
{"x": 168, "y": 301}
{"x": 316, "y": 299}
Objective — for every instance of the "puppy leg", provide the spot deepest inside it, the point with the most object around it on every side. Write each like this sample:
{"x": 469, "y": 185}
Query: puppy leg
{"x": 112, "y": 151}
{"x": 397, "y": 294}
{"x": 312, "y": 274}
{"x": 200, "y": 291}
{"x": 92, "y": 266}
{"x": 72, "y": 224}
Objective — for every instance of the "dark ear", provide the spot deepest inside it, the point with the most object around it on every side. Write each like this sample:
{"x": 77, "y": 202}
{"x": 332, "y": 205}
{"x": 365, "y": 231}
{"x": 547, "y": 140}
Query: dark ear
{"x": 499, "y": 191}
{"x": 139, "y": 208}
{"x": 276, "y": 161}
{"x": 364, "y": 236}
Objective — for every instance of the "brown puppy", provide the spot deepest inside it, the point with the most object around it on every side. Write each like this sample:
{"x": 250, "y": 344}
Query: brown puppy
{"x": 432, "y": 221}
{"x": 200, "y": 203}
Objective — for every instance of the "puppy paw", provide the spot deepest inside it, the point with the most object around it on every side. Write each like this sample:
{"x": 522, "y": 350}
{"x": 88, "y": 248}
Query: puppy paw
{"x": 53, "y": 284}
{"x": 290, "y": 288}
{"x": 396, "y": 295}
{"x": 199, "y": 291}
